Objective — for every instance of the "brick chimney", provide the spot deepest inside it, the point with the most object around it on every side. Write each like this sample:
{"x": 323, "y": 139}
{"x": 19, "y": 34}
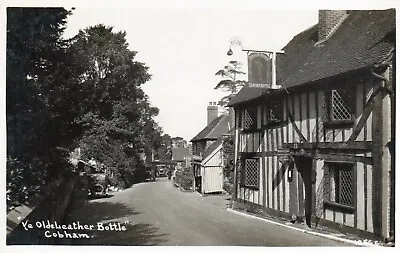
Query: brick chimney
{"x": 212, "y": 112}
{"x": 328, "y": 22}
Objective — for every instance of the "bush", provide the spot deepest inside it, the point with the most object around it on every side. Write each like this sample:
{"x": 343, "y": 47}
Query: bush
{"x": 185, "y": 179}
{"x": 228, "y": 187}
{"x": 26, "y": 179}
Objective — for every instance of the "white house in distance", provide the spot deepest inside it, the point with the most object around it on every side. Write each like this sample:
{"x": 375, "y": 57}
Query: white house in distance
{"x": 207, "y": 152}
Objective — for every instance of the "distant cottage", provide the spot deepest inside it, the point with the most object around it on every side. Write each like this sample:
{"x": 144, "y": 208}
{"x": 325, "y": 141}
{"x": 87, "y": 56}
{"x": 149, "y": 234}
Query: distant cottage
{"x": 207, "y": 152}
{"x": 181, "y": 157}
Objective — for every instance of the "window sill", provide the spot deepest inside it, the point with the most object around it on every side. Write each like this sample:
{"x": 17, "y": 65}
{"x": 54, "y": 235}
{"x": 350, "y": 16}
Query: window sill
{"x": 339, "y": 207}
{"x": 276, "y": 123}
{"x": 251, "y": 130}
{"x": 340, "y": 124}
{"x": 256, "y": 188}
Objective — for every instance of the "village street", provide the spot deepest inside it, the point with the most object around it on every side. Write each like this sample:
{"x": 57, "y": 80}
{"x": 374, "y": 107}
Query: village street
{"x": 160, "y": 214}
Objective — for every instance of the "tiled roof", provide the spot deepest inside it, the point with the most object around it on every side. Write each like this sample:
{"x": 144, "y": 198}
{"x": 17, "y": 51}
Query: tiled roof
{"x": 358, "y": 43}
{"x": 179, "y": 154}
{"x": 214, "y": 130}
{"x": 212, "y": 148}
{"x": 245, "y": 94}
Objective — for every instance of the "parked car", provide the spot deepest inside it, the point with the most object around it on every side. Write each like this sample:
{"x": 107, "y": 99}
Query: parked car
{"x": 161, "y": 171}
{"x": 98, "y": 184}
{"x": 149, "y": 176}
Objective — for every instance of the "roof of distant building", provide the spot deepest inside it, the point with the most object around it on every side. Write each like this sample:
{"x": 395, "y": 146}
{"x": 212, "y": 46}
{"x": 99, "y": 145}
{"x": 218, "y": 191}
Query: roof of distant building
{"x": 214, "y": 130}
{"x": 179, "y": 154}
{"x": 212, "y": 148}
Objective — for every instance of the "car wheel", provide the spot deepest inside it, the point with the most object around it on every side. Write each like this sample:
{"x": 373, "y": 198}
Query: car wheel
{"x": 99, "y": 188}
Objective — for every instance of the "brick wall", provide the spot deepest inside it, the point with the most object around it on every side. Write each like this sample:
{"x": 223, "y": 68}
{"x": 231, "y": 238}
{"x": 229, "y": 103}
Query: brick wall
{"x": 212, "y": 112}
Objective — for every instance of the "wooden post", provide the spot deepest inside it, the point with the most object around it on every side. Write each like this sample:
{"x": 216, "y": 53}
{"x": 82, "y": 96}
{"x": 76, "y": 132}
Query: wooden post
{"x": 274, "y": 70}
{"x": 381, "y": 130}
{"x": 236, "y": 127}
{"x": 386, "y": 161}
{"x": 377, "y": 165}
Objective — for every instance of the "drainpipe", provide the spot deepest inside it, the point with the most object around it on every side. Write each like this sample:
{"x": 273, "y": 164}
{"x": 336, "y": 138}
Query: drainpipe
{"x": 389, "y": 151}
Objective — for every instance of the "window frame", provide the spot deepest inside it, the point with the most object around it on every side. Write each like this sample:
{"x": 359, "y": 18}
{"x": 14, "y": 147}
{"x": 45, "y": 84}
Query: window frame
{"x": 242, "y": 171}
{"x": 330, "y": 122}
{"x": 335, "y": 204}
{"x": 254, "y": 112}
{"x": 279, "y": 112}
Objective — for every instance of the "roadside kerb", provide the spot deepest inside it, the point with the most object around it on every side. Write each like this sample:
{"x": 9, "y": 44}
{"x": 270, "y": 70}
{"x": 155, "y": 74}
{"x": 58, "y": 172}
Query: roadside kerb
{"x": 181, "y": 188}
{"x": 332, "y": 237}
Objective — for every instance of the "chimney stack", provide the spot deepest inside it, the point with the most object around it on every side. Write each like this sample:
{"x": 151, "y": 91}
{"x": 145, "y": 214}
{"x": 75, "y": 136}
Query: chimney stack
{"x": 328, "y": 22}
{"x": 212, "y": 112}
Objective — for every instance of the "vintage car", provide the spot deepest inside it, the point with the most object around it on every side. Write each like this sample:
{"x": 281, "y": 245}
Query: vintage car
{"x": 97, "y": 177}
{"x": 161, "y": 171}
{"x": 149, "y": 176}
{"x": 98, "y": 184}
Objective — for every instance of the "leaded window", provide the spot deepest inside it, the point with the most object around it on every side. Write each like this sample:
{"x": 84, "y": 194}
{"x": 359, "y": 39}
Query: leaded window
{"x": 341, "y": 183}
{"x": 250, "y": 118}
{"x": 250, "y": 172}
{"x": 340, "y": 103}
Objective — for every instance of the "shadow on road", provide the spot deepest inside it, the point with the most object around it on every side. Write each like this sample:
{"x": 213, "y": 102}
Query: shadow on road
{"x": 135, "y": 235}
{"x": 93, "y": 211}
{"x": 107, "y": 211}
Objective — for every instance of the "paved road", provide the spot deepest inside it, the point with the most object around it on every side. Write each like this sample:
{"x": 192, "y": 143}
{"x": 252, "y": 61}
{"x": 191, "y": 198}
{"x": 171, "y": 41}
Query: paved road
{"x": 158, "y": 213}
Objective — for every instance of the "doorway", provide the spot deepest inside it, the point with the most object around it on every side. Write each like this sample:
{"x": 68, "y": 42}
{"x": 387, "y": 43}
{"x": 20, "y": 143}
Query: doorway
{"x": 305, "y": 168}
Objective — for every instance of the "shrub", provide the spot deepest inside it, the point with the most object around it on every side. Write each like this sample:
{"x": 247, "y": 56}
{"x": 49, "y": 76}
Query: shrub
{"x": 228, "y": 187}
{"x": 185, "y": 179}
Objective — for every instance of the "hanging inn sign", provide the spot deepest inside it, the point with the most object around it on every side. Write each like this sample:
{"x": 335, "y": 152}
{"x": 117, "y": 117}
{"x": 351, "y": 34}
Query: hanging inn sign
{"x": 262, "y": 69}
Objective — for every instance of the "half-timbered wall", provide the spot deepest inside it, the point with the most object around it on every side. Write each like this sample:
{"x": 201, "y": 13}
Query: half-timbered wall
{"x": 304, "y": 114}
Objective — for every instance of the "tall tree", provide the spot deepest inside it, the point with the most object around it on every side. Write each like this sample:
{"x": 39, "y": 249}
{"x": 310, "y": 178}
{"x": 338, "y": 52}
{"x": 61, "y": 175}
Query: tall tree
{"x": 37, "y": 128}
{"x": 178, "y": 142}
{"x": 230, "y": 82}
{"x": 63, "y": 93}
{"x": 116, "y": 115}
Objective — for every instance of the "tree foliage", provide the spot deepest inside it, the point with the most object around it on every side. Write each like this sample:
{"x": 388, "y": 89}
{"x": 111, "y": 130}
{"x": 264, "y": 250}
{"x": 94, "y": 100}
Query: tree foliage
{"x": 116, "y": 115}
{"x": 230, "y": 82}
{"x": 38, "y": 127}
{"x": 164, "y": 151}
{"x": 62, "y": 94}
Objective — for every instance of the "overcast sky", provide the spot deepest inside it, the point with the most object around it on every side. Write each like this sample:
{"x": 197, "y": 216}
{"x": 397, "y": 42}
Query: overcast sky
{"x": 185, "y": 47}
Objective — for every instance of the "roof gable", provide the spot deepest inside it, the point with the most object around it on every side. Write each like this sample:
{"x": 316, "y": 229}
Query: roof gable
{"x": 214, "y": 130}
{"x": 211, "y": 149}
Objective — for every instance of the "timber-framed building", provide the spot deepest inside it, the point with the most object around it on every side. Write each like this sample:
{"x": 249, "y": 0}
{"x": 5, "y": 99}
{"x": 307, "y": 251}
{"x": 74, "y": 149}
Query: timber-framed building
{"x": 320, "y": 145}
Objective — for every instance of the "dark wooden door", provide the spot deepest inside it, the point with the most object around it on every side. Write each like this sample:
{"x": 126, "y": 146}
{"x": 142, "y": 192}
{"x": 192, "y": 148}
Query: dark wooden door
{"x": 304, "y": 165}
